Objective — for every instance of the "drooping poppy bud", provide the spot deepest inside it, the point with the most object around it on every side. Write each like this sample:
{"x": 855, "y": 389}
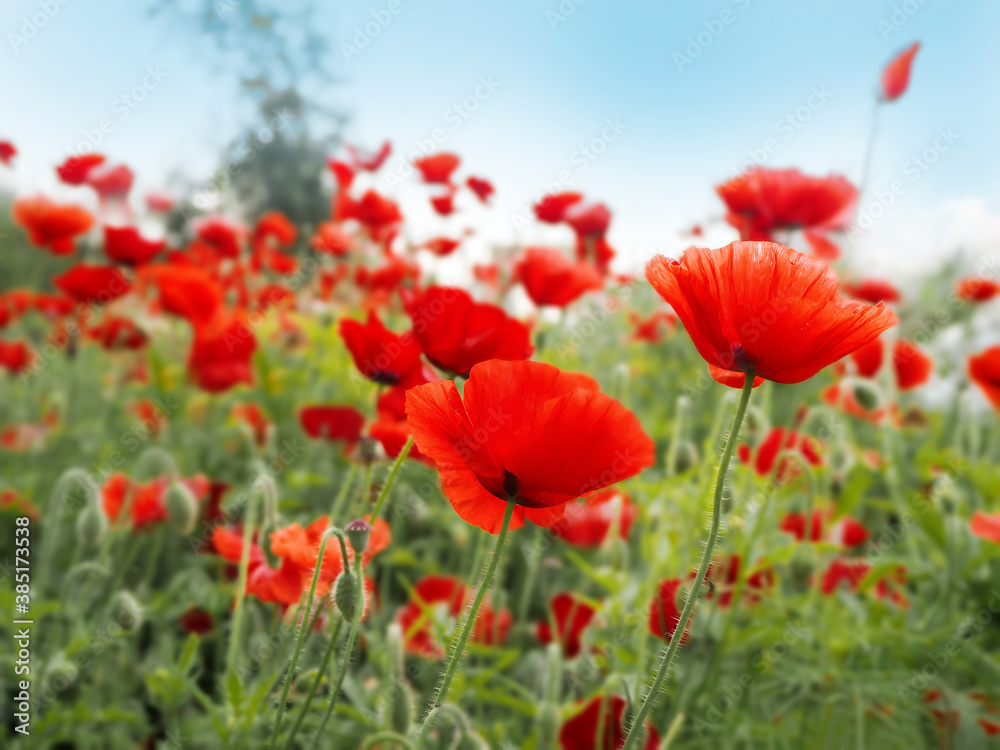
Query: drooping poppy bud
{"x": 182, "y": 508}
{"x": 345, "y": 595}
{"x": 896, "y": 75}
{"x": 91, "y": 526}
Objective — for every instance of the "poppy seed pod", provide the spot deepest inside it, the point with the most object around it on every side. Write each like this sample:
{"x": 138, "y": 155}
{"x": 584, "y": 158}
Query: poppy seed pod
{"x": 867, "y": 394}
{"x": 358, "y": 532}
{"x": 181, "y": 507}
{"x": 91, "y": 526}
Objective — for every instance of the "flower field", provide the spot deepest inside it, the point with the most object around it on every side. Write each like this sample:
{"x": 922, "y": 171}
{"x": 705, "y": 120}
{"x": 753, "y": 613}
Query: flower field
{"x": 272, "y": 484}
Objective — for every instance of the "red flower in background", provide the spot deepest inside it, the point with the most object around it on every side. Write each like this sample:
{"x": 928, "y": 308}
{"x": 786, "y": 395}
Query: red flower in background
{"x": 823, "y": 248}
{"x": 444, "y": 204}
{"x": 158, "y": 201}
{"x": 868, "y": 359}
{"x": 571, "y": 617}
{"x": 873, "y": 291}
{"x": 587, "y": 522}
{"x": 15, "y": 356}
{"x": 332, "y": 422}
{"x": 482, "y": 188}
{"x": 52, "y": 225}
{"x": 552, "y": 208}
{"x": 977, "y": 290}
{"x": 110, "y": 183}
{"x": 7, "y": 152}
{"x": 986, "y": 527}
{"x": 126, "y": 246}
{"x": 332, "y": 238}
{"x": 550, "y": 278}
{"x": 580, "y": 731}
{"x": 527, "y": 431}
{"x": 984, "y": 371}
{"x": 442, "y": 246}
{"x": 118, "y": 333}
{"x": 912, "y": 367}
{"x": 381, "y": 355}
{"x": 763, "y": 308}
{"x": 763, "y": 200}
{"x": 896, "y": 75}
{"x": 99, "y": 284}
{"x": 847, "y": 531}
{"x": 390, "y": 427}
{"x": 221, "y": 353}
{"x": 456, "y": 332}
{"x": 197, "y": 621}
{"x": 274, "y": 225}
{"x": 221, "y": 236}
{"x": 664, "y": 614}
{"x": 254, "y": 418}
{"x": 75, "y": 169}
{"x": 145, "y": 501}
{"x": 779, "y": 440}
{"x": 186, "y": 291}
{"x": 374, "y": 211}
{"x": 855, "y": 571}
{"x": 654, "y": 328}
{"x": 437, "y": 169}
{"x": 370, "y": 161}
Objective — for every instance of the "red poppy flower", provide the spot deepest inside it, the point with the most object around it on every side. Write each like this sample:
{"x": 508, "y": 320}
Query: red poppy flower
{"x": 429, "y": 592}
{"x": 221, "y": 352}
{"x": 390, "y": 427}
{"x": 444, "y": 204}
{"x": 763, "y": 308}
{"x": 846, "y": 532}
{"x": 984, "y": 371}
{"x": 99, "y": 284}
{"x": 588, "y": 219}
{"x": 588, "y": 522}
{"x": 442, "y": 246}
{"x": 221, "y": 235}
{"x": 823, "y": 248}
{"x": 913, "y": 367}
{"x": 986, "y": 527}
{"x": 197, "y": 621}
{"x": 855, "y": 571}
{"x": 552, "y": 208}
{"x": 118, "y": 333}
{"x": 126, "y": 246}
{"x": 332, "y": 422}
{"x": 274, "y": 225}
{"x": 254, "y": 418}
{"x": 550, "y": 278}
{"x": 343, "y": 173}
{"x": 389, "y": 275}
{"x": 779, "y": 440}
{"x": 664, "y": 614}
{"x": 488, "y": 273}
{"x": 873, "y": 291}
{"x": 437, "y": 169}
{"x": 763, "y": 200}
{"x": 333, "y": 239}
{"x": 53, "y": 305}
{"x": 868, "y": 359}
{"x": 50, "y": 224}
{"x": 524, "y": 430}
{"x": 375, "y": 211}
{"x": 724, "y": 573}
{"x": 185, "y": 291}
{"x": 15, "y": 356}
{"x": 580, "y": 731}
{"x": 75, "y": 169}
{"x": 147, "y": 500}
{"x": 456, "y": 332}
{"x": 381, "y": 355}
{"x": 482, "y": 188}
{"x": 157, "y": 201}
{"x": 370, "y": 161}
{"x": 729, "y": 378}
{"x": 896, "y": 75}
{"x": 7, "y": 152}
{"x": 110, "y": 183}
{"x": 977, "y": 290}
{"x": 654, "y": 328}
{"x": 571, "y": 617}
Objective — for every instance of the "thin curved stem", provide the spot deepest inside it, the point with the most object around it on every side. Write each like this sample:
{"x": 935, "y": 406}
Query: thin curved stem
{"x": 459, "y": 648}
{"x": 241, "y": 585}
{"x": 391, "y": 478}
{"x": 636, "y": 730}
{"x": 315, "y": 685}
{"x": 461, "y": 720}
{"x": 301, "y": 636}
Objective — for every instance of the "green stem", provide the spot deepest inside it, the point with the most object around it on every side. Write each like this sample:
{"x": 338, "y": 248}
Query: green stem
{"x": 470, "y": 620}
{"x": 460, "y": 718}
{"x": 241, "y": 585}
{"x": 391, "y": 478}
{"x": 302, "y": 635}
{"x": 345, "y": 488}
{"x": 352, "y": 636}
{"x": 638, "y": 723}
{"x": 315, "y": 686}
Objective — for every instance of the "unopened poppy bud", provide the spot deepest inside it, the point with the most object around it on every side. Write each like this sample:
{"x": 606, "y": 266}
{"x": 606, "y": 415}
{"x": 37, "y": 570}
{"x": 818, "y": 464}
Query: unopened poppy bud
{"x": 126, "y": 611}
{"x": 367, "y": 450}
{"x": 91, "y": 526}
{"x": 345, "y": 595}
{"x": 182, "y": 507}
{"x": 756, "y": 421}
{"x": 685, "y": 458}
{"x": 867, "y": 395}
{"x": 358, "y": 532}
{"x": 801, "y": 567}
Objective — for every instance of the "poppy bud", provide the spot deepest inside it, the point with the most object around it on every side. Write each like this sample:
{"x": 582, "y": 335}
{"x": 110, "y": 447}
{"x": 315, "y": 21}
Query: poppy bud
{"x": 126, "y": 611}
{"x": 91, "y": 526}
{"x": 60, "y": 674}
{"x": 182, "y": 508}
{"x": 801, "y": 567}
{"x": 756, "y": 421}
{"x": 685, "y": 458}
{"x": 345, "y": 595}
{"x": 358, "y": 532}
{"x": 367, "y": 450}
{"x": 867, "y": 395}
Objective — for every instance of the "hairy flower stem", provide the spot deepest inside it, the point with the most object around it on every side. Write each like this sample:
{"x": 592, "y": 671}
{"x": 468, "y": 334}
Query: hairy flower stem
{"x": 304, "y": 628}
{"x": 459, "y": 646}
{"x": 320, "y": 672}
{"x": 391, "y": 478}
{"x": 637, "y": 728}
{"x": 241, "y": 584}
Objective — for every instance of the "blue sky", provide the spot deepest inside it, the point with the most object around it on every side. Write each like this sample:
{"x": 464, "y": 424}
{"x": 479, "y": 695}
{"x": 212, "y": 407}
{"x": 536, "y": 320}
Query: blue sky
{"x": 688, "y": 109}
